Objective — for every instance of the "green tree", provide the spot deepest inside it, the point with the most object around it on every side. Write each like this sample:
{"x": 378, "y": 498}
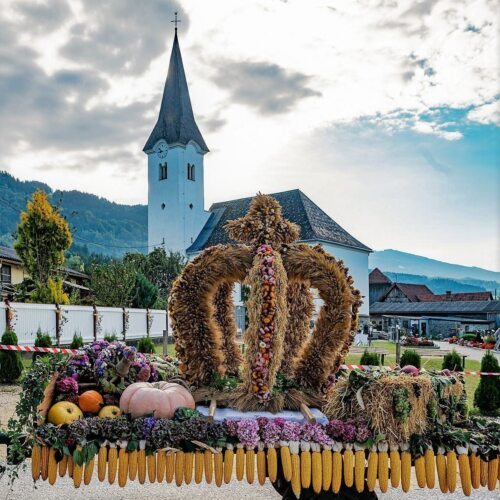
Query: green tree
{"x": 452, "y": 361}
{"x": 113, "y": 283}
{"x": 410, "y": 357}
{"x": 487, "y": 395}
{"x": 145, "y": 292}
{"x": 11, "y": 365}
{"x": 43, "y": 236}
{"x": 162, "y": 269}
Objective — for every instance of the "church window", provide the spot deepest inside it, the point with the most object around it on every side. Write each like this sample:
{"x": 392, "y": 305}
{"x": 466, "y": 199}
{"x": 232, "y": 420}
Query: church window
{"x": 163, "y": 171}
{"x": 190, "y": 172}
{"x": 163, "y": 206}
{"x": 191, "y": 206}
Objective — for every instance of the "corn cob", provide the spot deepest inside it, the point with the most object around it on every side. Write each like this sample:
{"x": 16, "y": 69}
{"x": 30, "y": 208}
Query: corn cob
{"x": 483, "y": 467}
{"x": 52, "y": 466}
{"x": 272, "y": 463}
{"x": 240, "y": 462}
{"x": 250, "y": 465}
{"x": 188, "y": 466}
{"x": 371, "y": 473}
{"x": 102, "y": 458}
{"x": 63, "y": 465}
{"x": 141, "y": 462}
{"x": 286, "y": 461}
{"x": 395, "y": 464}
{"x": 326, "y": 464}
{"x": 405, "y": 468}
{"x": 45, "y": 462}
{"x": 420, "y": 471}
{"x": 441, "y": 470}
{"x": 348, "y": 465}
{"x": 296, "y": 468}
{"x": 336, "y": 467}
{"x": 383, "y": 466}
{"x": 179, "y": 467}
{"x": 228, "y": 463}
{"x": 430, "y": 468}
{"x": 451, "y": 470}
{"x": 316, "y": 468}
{"x": 161, "y": 461}
{"x": 475, "y": 467}
{"x": 77, "y": 472}
{"x": 492, "y": 474}
{"x": 122, "y": 464}
{"x": 219, "y": 467}
{"x": 36, "y": 461}
{"x": 208, "y": 466}
{"x": 359, "y": 468}
{"x": 305, "y": 464}
{"x": 198, "y": 466}
{"x": 89, "y": 470}
{"x": 112, "y": 462}
{"x": 151, "y": 461}
{"x": 170, "y": 467}
{"x": 71, "y": 466}
{"x": 464, "y": 467}
{"x": 132, "y": 464}
{"x": 261, "y": 464}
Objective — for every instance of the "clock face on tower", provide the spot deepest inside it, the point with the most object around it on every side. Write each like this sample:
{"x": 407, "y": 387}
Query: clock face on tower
{"x": 162, "y": 149}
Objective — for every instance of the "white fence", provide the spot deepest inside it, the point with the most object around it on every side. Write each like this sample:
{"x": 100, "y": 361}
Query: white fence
{"x": 90, "y": 322}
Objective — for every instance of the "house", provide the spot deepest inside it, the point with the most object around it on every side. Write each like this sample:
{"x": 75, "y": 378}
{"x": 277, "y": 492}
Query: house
{"x": 12, "y": 273}
{"x": 460, "y": 297}
{"x": 405, "y": 292}
{"x": 177, "y": 219}
{"x": 379, "y": 284}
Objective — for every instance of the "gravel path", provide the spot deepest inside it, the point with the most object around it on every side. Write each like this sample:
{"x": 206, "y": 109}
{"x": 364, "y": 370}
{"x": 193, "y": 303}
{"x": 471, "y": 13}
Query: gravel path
{"x": 476, "y": 354}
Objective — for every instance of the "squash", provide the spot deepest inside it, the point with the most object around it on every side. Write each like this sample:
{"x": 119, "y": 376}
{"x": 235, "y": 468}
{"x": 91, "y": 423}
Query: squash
{"x": 160, "y": 399}
{"x": 90, "y": 402}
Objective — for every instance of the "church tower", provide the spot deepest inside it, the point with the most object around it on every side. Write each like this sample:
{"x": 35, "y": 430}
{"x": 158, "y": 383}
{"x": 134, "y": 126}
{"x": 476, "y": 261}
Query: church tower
{"x": 175, "y": 149}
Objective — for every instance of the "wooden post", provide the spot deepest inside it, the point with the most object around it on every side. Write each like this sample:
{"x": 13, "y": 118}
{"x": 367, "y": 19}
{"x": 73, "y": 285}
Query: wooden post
{"x": 95, "y": 322}
{"x": 305, "y": 410}
{"x": 211, "y": 410}
{"x": 8, "y": 324}
{"x": 147, "y": 321}
{"x": 58, "y": 325}
{"x": 124, "y": 324}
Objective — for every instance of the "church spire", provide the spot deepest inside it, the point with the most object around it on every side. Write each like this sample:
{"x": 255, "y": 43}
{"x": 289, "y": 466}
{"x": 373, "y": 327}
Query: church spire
{"x": 176, "y": 123}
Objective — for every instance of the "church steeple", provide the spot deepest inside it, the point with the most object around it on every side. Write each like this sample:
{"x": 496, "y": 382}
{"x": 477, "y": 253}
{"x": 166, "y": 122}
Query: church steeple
{"x": 176, "y": 123}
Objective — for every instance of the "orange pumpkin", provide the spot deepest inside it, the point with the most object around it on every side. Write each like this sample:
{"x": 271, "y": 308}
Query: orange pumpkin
{"x": 90, "y": 402}
{"x": 160, "y": 399}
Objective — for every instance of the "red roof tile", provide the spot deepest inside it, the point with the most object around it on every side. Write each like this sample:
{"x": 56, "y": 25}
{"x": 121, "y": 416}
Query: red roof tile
{"x": 455, "y": 297}
{"x": 377, "y": 277}
{"x": 411, "y": 291}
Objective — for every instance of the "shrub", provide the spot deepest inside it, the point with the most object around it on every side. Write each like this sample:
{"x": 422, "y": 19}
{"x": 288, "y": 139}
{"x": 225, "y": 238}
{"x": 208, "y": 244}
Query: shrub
{"x": 11, "y": 365}
{"x": 489, "y": 340}
{"x": 146, "y": 345}
{"x": 110, "y": 337}
{"x": 410, "y": 357}
{"x": 452, "y": 361}
{"x": 77, "y": 342}
{"x": 487, "y": 395}
{"x": 369, "y": 358}
{"x": 42, "y": 340}
{"x": 469, "y": 336}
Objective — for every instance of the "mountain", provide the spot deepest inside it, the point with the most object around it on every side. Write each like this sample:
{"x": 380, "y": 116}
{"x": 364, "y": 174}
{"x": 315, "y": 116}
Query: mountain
{"x": 443, "y": 285}
{"x": 96, "y": 223}
{"x": 407, "y": 263}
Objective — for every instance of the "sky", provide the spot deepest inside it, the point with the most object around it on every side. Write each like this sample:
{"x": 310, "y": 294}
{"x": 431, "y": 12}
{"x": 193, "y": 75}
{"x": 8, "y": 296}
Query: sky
{"x": 384, "y": 112}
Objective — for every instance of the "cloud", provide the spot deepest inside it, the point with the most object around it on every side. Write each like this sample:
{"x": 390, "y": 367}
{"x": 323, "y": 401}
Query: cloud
{"x": 267, "y": 87}
{"x": 487, "y": 114}
{"x": 43, "y": 16}
{"x": 122, "y": 36}
{"x": 431, "y": 160}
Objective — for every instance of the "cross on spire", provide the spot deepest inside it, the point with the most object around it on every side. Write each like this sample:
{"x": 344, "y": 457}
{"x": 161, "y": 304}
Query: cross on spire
{"x": 175, "y": 21}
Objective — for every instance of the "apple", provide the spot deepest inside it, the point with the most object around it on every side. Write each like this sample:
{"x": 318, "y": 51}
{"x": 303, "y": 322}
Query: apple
{"x": 110, "y": 411}
{"x": 64, "y": 412}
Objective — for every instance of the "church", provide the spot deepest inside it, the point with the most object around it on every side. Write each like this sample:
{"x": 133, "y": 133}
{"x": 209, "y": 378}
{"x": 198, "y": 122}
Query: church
{"x": 177, "y": 219}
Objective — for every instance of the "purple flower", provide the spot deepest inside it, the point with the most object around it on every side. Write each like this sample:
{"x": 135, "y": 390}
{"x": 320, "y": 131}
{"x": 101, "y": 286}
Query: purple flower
{"x": 147, "y": 426}
{"x": 290, "y": 431}
{"x": 67, "y": 385}
{"x": 363, "y": 434}
{"x": 231, "y": 427}
{"x": 320, "y": 436}
{"x": 349, "y": 433}
{"x": 248, "y": 432}
{"x": 271, "y": 432}
{"x": 335, "y": 429}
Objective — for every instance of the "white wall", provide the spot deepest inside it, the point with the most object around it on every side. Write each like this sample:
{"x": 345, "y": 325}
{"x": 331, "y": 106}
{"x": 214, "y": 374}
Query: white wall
{"x": 177, "y": 223}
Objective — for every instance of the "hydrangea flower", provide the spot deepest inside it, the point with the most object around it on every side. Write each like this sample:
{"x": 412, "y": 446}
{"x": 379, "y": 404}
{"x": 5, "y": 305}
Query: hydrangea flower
{"x": 271, "y": 432}
{"x": 290, "y": 431}
{"x": 231, "y": 427}
{"x": 349, "y": 433}
{"x": 248, "y": 432}
{"x": 67, "y": 385}
{"x": 363, "y": 434}
{"x": 335, "y": 429}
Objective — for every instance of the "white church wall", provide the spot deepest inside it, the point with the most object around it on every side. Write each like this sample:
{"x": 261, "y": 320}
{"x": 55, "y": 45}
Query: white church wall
{"x": 176, "y": 212}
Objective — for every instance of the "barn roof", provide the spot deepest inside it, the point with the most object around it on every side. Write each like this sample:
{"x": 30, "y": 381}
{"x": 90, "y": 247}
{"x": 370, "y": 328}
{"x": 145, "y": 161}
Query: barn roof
{"x": 410, "y": 290}
{"x": 315, "y": 224}
{"x": 377, "y": 277}
{"x": 443, "y": 307}
{"x": 456, "y": 296}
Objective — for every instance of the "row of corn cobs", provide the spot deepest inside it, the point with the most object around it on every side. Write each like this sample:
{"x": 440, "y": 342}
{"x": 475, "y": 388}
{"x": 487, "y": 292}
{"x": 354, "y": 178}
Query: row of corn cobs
{"x": 304, "y": 466}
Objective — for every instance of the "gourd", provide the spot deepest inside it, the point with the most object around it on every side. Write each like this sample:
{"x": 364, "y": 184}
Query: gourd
{"x": 160, "y": 399}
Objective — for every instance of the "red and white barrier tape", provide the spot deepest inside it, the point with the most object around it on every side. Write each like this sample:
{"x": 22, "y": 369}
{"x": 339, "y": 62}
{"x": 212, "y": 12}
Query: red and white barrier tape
{"x": 26, "y": 348}
{"x": 365, "y": 368}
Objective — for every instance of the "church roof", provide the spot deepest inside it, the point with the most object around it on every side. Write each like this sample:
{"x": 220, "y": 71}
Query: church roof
{"x": 315, "y": 225}
{"x": 176, "y": 123}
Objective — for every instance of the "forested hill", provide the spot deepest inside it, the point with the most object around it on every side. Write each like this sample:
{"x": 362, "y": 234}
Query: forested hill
{"x": 100, "y": 225}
